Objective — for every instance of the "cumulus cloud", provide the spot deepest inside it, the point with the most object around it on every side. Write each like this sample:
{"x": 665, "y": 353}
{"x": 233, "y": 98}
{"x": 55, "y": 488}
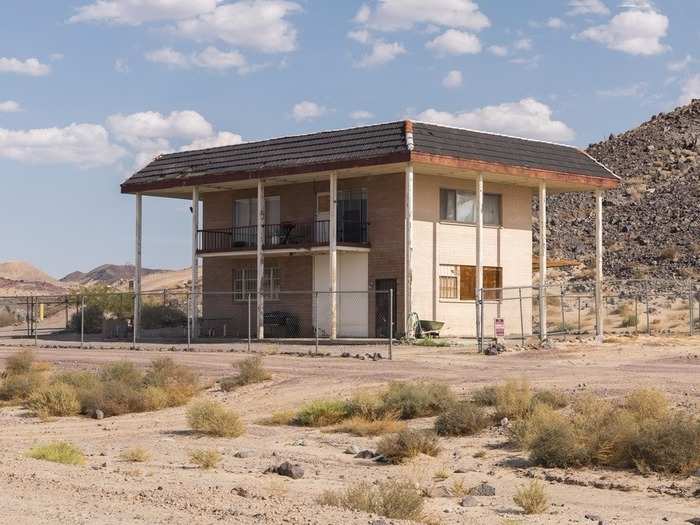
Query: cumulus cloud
{"x": 121, "y": 65}
{"x": 257, "y": 24}
{"x": 587, "y": 7}
{"x": 395, "y": 15}
{"x": 499, "y": 51}
{"x": 361, "y": 114}
{"x": 453, "y": 42}
{"x": 30, "y": 66}
{"x": 453, "y": 79}
{"x": 555, "y": 23}
{"x": 690, "y": 90}
{"x": 524, "y": 44}
{"x": 85, "y": 145}
{"x": 223, "y": 138}
{"x": 10, "y": 106}
{"x": 527, "y": 118}
{"x": 308, "y": 110}
{"x": 150, "y": 128}
{"x": 209, "y": 58}
{"x": 380, "y": 53}
{"x": 680, "y": 65}
{"x": 135, "y": 12}
{"x": 168, "y": 56}
{"x": 637, "y": 31}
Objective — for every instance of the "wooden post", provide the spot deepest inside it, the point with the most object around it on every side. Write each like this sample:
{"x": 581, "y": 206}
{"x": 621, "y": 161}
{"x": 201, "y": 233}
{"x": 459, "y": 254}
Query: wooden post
{"x": 543, "y": 261}
{"x": 260, "y": 239}
{"x": 333, "y": 253}
{"x": 195, "y": 259}
{"x": 479, "y": 285}
{"x": 137, "y": 266}
{"x": 408, "y": 246}
{"x": 599, "y": 266}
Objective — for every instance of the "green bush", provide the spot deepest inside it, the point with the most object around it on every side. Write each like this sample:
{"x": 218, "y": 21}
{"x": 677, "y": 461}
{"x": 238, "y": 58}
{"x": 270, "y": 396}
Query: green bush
{"x": 58, "y": 452}
{"x": 321, "y": 413}
{"x": 462, "y": 419}
{"x": 162, "y": 316}
{"x": 250, "y": 370}
{"x": 417, "y": 399}
{"x": 91, "y": 321}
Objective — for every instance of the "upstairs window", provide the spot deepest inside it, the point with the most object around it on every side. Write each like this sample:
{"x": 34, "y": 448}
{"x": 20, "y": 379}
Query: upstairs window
{"x": 460, "y": 206}
{"x": 245, "y": 211}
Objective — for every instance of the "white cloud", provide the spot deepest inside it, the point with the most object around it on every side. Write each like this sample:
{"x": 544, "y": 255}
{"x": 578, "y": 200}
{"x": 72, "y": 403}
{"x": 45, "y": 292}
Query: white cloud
{"x": 680, "y": 65}
{"x": 453, "y": 42}
{"x": 528, "y": 62}
{"x": 85, "y": 145}
{"x": 527, "y": 118}
{"x": 257, "y": 24}
{"x": 524, "y": 44}
{"x": 381, "y": 53}
{"x": 149, "y": 128}
{"x": 690, "y": 90}
{"x": 396, "y": 15}
{"x": 587, "y": 7}
{"x": 223, "y": 138}
{"x": 555, "y": 23}
{"x": 10, "y": 106}
{"x": 636, "y": 31}
{"x": 135, "y": 12}
{"x": 121, "y": 65}
{"x": 499, "y": 51}
{"x": 361, "y": 114}
{"x": 31, "y": 67}
{"x": 360, "y": 35}
{"x": 209, "y": 58}
{"x": 453, "y": 79}
{"x": 308, "y": 110}
{"x": 168, "y": 56}
{"x": 635, "y": 90}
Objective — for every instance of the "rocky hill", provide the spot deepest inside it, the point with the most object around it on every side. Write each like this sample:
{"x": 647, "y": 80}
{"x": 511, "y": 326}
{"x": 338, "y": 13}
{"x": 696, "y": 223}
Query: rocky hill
{"x": 652, "y": 222}
{"x": 23, "y": 271}
{"x": 109, "y": 274}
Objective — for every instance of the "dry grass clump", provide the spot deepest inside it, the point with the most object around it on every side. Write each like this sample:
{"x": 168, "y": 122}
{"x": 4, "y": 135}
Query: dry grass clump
{"x": 513, "y": 399}
{"x": 214, "y": 419}
{"x": 135, "y": 455}
{"x": 22, "y": 376}
{"x": 532, "y": 498}
{"x": 250, "y": 370}
{"x": 462, "y": 419}
{"x": 282, "y": 418}
{"x": 57, "y": 399}
{"x": 551, "y": 398}
{"x": 322, "y": 413}
{"x": 485, "y": 396}
{"x": 399, "y": 500}
{"x": 360, "y": 426}
{"x": 407, "y": 444}
{"x": 206, "y": 459}
{"x": 417, "y": 399}
{"x": 58, "y": 452}
{"x": 640, "y": 433}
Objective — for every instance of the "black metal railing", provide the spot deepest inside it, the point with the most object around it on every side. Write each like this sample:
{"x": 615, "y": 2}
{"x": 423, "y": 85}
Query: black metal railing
{"x": 285, "y": 234}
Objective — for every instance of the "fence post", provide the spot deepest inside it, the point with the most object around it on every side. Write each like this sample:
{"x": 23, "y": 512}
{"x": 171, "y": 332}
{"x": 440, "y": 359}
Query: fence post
{"x": 578, "y": 308}
{"x": 563, "y": 319}
{"x": 36, "y": 324}
{"x": 481, "y": 321}
{"x": 522, "y": 321}
{"x": 636, "y": 314}
{"x": 82, "y": 321}
{"x": 249, "y": 335}
{"x": 647, "y": 301}
{"x": 316, "y": 320}
{"x": 189, "y": 321}
{"x": 690, "y": 309}
{"x": 391, "y": 324}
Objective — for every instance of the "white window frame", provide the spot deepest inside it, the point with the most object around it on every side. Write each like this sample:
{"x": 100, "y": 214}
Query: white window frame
{"x": 473, "y": 219}
{"x": 245, "y": 283}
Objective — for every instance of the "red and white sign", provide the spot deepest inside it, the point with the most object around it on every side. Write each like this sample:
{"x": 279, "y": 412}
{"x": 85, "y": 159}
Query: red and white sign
{"x": 499, "y": 327}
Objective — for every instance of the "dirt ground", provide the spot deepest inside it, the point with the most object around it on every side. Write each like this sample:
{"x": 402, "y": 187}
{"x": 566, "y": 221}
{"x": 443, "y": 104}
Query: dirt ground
{"x": 167, "y": 489}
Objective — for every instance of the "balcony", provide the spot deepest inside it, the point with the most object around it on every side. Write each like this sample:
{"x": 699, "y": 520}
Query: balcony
{"x": 280, "y": 236}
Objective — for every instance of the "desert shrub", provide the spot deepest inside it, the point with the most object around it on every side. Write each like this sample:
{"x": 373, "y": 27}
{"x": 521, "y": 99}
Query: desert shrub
{"x": 92, "y": 319}
{"x": 369, "y": 405}
{"x": 321, "y": 413}
{"x": 407, "y": 444}
{"x": 552, "y": 441}
{"x": 250, "y": 370}
{"x": 154, "y": 398}
{"x": 21, "y": 362}
{"x": 359, "y": 426}
{"x": 155, "y": 316}
{"x": 205, "y": 459}
{"x": 58, "y": 399}
{"x": 177, "y": 381}
{"x": 532, "y": 498}
{"x": 21, "y": 386}
{"x": 629, "y": 321}
{"x": 417, "y": 399}
{"x": 135, "y": 455}
{"x": 58, "y": 452}
{"x": 552, "y": 398}
{"x": 124, "y": 372}
{"x": 462, "y": 419}
{"x": 485, "y": 396}
{"x": 282, "y": 418}
{"x": 513, "y": 399}
{"x": 7, "y": 317}
{"x": 214, "y": 419}
{"x": 399, "y": 500}
{"x": 118, "y": 398}
{"x": 646, "y": 403}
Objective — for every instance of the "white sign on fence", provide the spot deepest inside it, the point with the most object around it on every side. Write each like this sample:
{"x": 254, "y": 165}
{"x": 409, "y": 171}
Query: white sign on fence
{"x": 499, "y": 328}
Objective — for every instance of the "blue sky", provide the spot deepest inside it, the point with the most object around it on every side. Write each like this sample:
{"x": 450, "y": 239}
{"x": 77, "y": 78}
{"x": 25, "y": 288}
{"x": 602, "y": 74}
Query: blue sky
{"x": 90, "y": 90}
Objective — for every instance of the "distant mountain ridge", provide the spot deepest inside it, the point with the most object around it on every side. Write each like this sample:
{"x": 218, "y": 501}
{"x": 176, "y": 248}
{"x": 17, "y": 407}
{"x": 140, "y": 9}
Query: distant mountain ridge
{"x": 109, "y": 274}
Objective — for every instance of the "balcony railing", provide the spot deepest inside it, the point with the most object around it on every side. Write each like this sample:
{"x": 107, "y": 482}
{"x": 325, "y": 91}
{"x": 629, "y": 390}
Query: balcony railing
{"x": 283, "y": 235}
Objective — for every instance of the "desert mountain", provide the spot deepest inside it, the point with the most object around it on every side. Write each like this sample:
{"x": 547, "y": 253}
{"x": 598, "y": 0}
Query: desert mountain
{"x": 23, "y": 271}
{"x": 652, "y": 221}
{"x": 109, "y": 274}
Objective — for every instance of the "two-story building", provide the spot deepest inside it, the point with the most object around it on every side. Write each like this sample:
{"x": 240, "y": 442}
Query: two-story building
{"x": 430, "y": 212}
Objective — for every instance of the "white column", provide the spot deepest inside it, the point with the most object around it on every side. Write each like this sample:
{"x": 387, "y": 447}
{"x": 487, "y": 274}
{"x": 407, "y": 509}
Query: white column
{"x": 408, "y": 245}
{"x": 333, "y": 253}
{"x": 195, "y": 260}
{"x": 137, "y": 266}
{"x": 479, "y": 219}
{"x": 260, "y": 299}
{"x": 543, "y": 261}
{"x": 600, "y": 314}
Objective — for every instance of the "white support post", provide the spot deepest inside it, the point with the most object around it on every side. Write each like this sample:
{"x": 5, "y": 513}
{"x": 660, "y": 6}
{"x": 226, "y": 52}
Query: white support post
{"x": 333, "y": 253}
{"x": 195, "y": 260}
{"x": 479, "y": 219}
{"x": 408, "y": 270}
{"x": 543, "y": 261}
{"x": 137, "y": 266}
{"x": 260, "y": 299}
{"x": 599, "y": 265}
